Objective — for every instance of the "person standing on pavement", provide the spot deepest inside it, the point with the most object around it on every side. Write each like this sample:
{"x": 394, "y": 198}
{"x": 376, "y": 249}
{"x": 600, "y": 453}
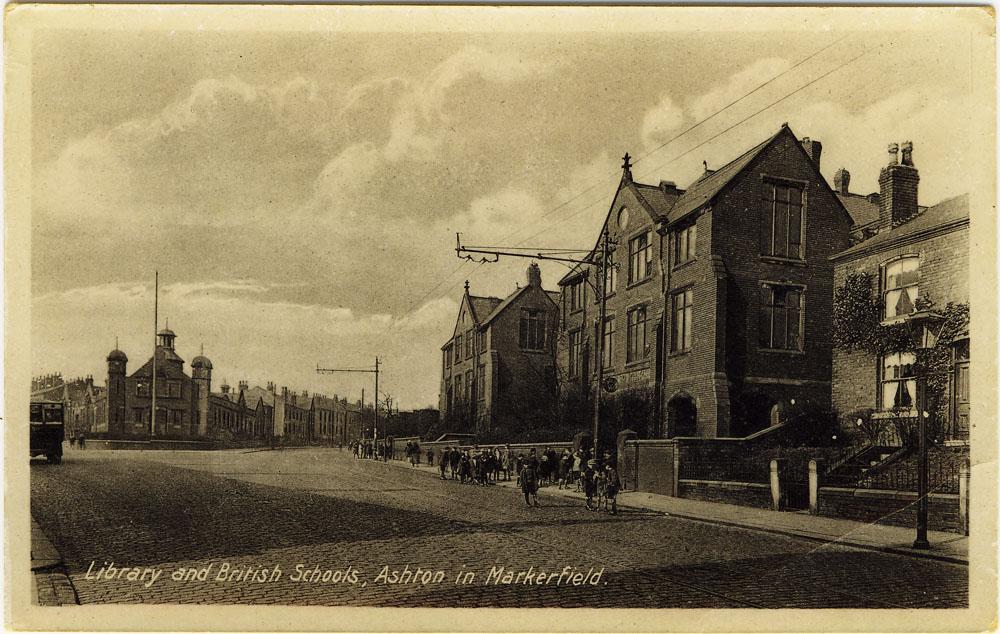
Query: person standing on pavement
{"x": 565, "y": 465}
{"x": 508, "y": 462}
{"x": 529, "y": 483}
{"x": 445, "y": 461}
{"x": 577, "y": 468}
{"x": 612, "y": 485}
{"x": 464, "y": 467}
{"x": 589, "y": 478}
{"x": 454, "y": 457}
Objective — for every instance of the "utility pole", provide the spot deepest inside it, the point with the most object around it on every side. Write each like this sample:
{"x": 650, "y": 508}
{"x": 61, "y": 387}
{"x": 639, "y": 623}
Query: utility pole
{"x": 156, "y": 325}
{"x": 599, "y": 344}
{"x": 374, "y": 371}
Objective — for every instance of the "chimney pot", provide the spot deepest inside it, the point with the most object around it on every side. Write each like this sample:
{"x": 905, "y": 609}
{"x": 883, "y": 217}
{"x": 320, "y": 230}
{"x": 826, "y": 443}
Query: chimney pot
{"x": 898, "y": 185}
{"x": 842, "y": 181}
{"x": 534, "y": 275}
{"x": 813, "y": 148}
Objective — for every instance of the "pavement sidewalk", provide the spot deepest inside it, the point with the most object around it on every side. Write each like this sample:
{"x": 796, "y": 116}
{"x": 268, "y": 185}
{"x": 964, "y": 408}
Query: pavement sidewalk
{"x": 948, "y": 547}
{"x": 51, "y": 585}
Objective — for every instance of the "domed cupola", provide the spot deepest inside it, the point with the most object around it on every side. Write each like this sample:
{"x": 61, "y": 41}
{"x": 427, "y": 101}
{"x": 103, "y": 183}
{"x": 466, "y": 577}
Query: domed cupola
{"x": 166, "y": 337}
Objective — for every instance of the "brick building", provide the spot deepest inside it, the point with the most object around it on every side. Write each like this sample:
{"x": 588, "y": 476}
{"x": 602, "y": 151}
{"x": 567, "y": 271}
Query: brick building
{"x": 500, "y": 360}
{"x": 725, "y": 274}
{"x": 85, "y": 403}
{"x": 188, "y": 409}
{"x": 130, "y": 396}
{"x": 911, "y": 253}
{"x": 633, "y": 344}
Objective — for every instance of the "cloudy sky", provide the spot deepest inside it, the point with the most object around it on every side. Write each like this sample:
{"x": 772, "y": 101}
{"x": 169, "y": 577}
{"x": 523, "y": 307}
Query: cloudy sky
{"x": 299, "y": 193}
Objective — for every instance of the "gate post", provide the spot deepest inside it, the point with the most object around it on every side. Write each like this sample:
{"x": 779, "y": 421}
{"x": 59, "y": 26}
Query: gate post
{"x": 963, "y": 497}
{"x": 814, "y": 487}
{"x": 777, "y": 497}
{"x": 676, "y": 489}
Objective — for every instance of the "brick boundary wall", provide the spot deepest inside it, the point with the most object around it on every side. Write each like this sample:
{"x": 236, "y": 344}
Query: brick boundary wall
{"x": 894, "y": 508}
{"x": 152, "y": 445}
{"x": 739, "y": 493}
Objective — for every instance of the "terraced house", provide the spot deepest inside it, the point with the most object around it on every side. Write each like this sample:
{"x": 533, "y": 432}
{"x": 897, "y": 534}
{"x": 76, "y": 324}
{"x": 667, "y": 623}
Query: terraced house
{"x": 914, "y": 262}
{"x": 719, "y": 295}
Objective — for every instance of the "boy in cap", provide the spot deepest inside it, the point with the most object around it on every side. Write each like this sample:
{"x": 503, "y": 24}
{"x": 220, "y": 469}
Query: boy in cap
{"x": 612, "y": 484}
{"x": 589, "y": 478}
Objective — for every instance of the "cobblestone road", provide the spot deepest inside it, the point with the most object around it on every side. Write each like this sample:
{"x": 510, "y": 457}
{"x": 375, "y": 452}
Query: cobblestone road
{"x": 321, "y": 509}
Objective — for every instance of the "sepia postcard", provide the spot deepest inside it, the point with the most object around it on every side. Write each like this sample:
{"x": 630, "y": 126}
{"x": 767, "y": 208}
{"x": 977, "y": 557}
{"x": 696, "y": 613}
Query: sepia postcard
{"x": 507, "y": 318}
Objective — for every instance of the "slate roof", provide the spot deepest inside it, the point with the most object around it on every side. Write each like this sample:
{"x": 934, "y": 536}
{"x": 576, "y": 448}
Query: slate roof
{"x": 502, "y": 306}
{"x": 483, "y": 306}
{"x": 862, "y": 211}
{"x": 706, "y": 187}
{"x": 661, "y": 201}
{"x": 954, "y": 211}
{"x": 552, "y": 295}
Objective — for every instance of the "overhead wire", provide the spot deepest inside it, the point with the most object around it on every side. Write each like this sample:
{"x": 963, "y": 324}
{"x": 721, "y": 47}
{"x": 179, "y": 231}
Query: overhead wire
{"x": 646, "y": 155}
{"x": 717, "y": 135}
{"x": 689, "y": 129}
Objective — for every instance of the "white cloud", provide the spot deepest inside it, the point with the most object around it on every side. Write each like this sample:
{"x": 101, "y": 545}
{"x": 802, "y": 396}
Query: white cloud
{"x": 660, "y": 123}
{"x": 736, "y": 86}
{"x": 243, "y": 335}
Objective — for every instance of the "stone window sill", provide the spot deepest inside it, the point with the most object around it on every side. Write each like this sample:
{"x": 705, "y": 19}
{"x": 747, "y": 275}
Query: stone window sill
{"x": 774, "y": 259}
{"x": 782, "y": 351}
{"x": 632, "y": 285}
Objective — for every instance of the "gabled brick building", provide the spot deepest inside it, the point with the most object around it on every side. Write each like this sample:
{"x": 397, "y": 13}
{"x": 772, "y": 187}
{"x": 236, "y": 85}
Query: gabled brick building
{"x": 737, "y": 296}
{"x": 633, "y": 343}
{"x": 911, "y": 252}
{"x": 500, "y": 357}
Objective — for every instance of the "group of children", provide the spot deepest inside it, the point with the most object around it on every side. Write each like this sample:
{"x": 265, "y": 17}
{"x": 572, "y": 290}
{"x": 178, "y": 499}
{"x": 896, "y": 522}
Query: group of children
{"x": 473, "y": 467}
{"x": 597, "y": 479}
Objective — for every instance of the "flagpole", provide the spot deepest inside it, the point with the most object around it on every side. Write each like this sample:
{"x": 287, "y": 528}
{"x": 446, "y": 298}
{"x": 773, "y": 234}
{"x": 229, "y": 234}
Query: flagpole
{"x": 156, "y": 324}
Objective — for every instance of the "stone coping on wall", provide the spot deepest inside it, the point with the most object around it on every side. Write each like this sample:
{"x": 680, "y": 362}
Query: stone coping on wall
{"x": 885, "y": 493}
{"x": 727, "y": 484}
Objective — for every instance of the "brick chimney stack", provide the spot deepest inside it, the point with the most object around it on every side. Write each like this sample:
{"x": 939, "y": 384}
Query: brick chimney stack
{"x": 534, "y": 275}
{"x": 842, "y": 181}
{"x": 898, "y": 183}
{"x": 813, "y": 148}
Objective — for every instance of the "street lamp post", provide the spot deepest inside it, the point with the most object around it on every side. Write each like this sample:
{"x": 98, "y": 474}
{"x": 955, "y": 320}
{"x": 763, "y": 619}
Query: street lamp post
{"x": 923, "y": 320}
{"x": 922, "y": 414}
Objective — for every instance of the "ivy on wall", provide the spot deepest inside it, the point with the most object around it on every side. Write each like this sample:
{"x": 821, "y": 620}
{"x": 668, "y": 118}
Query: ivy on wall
{"x": 857, "y": 321}
{"x": 857, "y": 326}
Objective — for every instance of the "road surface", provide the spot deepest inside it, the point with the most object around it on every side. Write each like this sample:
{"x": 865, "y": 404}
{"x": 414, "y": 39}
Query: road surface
{"x": 317, "y": 527}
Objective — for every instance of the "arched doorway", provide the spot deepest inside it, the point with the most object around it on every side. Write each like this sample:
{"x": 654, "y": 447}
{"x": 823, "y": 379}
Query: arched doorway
{"x": 682, "y": 415}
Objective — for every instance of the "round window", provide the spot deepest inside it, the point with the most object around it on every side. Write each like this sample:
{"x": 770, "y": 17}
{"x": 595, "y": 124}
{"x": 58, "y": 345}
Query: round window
{"x": 623, "y": 217}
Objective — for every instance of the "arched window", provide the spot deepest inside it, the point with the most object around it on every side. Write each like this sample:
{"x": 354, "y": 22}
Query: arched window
{"x": 682, "y": 415}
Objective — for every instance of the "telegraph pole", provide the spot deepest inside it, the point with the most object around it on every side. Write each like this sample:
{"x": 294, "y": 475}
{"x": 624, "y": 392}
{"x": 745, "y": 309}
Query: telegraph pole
{"x": 599, "y": 344}
{"x": 374, "y": 371}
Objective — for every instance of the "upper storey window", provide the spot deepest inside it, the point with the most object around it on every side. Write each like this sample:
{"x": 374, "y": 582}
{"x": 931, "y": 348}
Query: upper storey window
{"x": 640, "y": 251}
{"x": 532, "y": 331}
{"x": 685, "y": 241}
{"x": 781, "y": 224}
{"x": 900, "y": 287}
{"x": 576, "y": 296}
